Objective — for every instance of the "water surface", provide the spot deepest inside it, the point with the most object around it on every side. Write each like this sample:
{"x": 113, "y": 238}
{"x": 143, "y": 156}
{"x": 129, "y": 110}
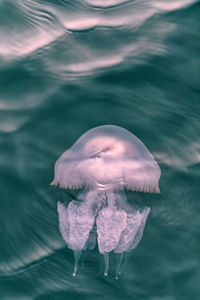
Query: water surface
{"x": 68, "y": 66}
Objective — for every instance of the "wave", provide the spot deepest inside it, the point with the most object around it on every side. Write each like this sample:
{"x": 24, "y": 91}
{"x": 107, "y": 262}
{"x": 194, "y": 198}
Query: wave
{"x": 106, "y": 4}
{"x": 79, "y": 38}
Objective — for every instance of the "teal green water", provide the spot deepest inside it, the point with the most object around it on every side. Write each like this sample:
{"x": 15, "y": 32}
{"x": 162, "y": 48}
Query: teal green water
{"x": 68, "y": 66}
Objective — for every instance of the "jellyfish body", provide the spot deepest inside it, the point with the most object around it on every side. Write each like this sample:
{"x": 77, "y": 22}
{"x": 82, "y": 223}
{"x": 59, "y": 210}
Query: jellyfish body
{"x": 102, "y": 164}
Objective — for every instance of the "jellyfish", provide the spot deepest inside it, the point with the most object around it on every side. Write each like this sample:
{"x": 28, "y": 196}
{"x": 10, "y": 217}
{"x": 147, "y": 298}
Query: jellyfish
{"x": 102, "y": 165}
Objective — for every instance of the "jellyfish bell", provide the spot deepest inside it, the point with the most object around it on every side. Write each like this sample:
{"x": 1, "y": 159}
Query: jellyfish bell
{"x": 103, "y": 162}
{"x": 108, "y": 156}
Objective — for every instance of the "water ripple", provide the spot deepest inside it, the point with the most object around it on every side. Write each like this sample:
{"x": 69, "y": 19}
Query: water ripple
{"x": 73, "y": 40}
{"x": 37, "y": 25}
{"x": 171, "y": 5}
{"x": 106, "y": 4}
{"x": 26, "y": 29}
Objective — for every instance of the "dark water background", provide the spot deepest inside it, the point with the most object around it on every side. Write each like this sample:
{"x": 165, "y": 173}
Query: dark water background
{"x": 68, "y": 66}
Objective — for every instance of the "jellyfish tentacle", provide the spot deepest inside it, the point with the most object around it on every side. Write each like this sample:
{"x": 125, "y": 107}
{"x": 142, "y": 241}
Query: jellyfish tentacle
{"x": 140, "y": 230}
{"x": 63, "y": 221}
{"x": 106, "y": 263}
{"x": 130, "y": 236}
{"x": 110, "y": 225}
{"x": 77, "y": 255}
{"x": 76, "y": 222}
{"x": 80, "y": 223}
{"x": 119, "y": 264}
{"x": 133, "y": 232}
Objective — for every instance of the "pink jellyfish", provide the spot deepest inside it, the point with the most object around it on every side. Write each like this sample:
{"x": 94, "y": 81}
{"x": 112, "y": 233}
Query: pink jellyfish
{"x": 102, "y": 164}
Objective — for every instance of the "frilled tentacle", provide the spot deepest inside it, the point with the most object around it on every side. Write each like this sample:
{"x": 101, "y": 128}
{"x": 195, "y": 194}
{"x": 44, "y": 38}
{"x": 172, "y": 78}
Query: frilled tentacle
{"x": 133, "y": 232}
{"x": 75, "y": 223}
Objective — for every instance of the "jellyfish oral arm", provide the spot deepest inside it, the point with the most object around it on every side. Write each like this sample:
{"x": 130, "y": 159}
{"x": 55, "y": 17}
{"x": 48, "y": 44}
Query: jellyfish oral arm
{"x": 75, "y": 223}
{"x": 116, "y": 229}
